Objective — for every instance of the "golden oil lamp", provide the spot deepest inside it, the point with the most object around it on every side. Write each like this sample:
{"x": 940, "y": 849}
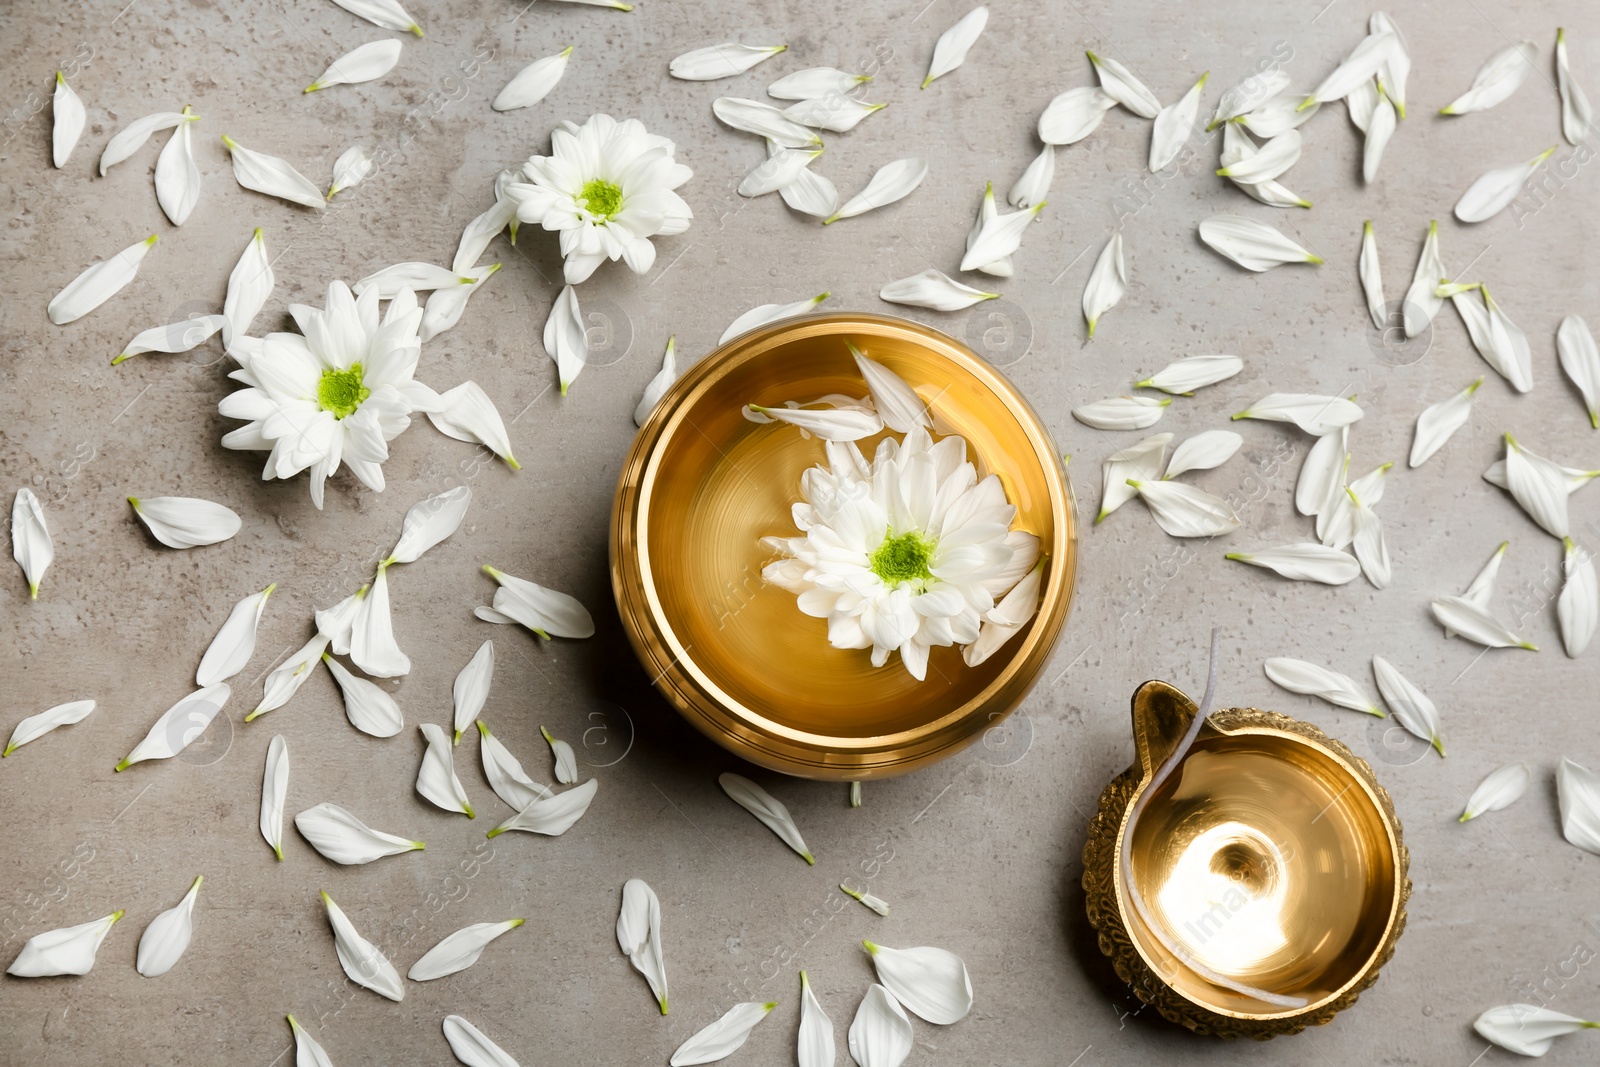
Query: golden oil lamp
{"x": 1271, "y": 872}
{"x": 702, "y": 485}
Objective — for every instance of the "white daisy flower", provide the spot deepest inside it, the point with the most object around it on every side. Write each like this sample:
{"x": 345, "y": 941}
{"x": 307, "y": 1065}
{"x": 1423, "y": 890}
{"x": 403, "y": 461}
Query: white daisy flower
{"x": 904, "y": 553}
{"x": 338, "y": 391}
{"x": 607, "y": 187}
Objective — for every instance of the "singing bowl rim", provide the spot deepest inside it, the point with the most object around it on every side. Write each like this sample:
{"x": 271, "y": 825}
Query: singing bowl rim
{"x": 1108, "y": 904}
{"x": 699, "y": 697}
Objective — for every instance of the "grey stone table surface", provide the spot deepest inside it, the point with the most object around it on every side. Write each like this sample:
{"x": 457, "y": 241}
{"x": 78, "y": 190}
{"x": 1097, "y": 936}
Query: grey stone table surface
{"x": 979, "y": 853}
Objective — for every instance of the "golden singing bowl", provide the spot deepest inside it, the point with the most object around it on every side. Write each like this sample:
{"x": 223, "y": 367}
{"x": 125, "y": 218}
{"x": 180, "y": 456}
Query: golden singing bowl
{"x": 1271, "y": 858}
{"x": 702, "y": 485}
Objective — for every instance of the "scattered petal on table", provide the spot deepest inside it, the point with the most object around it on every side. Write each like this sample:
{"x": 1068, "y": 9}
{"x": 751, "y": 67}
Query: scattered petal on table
{"x": 566, "y": 761}
{"x": 372, "y": 643}
{"x": 1251, "y": 244}
{"x": 467, "y": 1043}
{"x": 768, "y": 809}
{"x": 546, "y": 612}
{"x": 1034, "y": 185}
{"x": 1499, "y": 790}
{"x": 249, "y": 285}
{"x": 1184, "y": 376}
{"x": 1184, "y": 511}
{"x": 766, "y": 313}
{"x": 349, "y": 170}
{"x": 167, "y": 937}
{"x": 178, "y": 175}
{"x": 1410, "y": 705}
{"x": 1305, "y": 562}
{"x": 1578, "y": 789}
{"x": 951, "y": 49}
{"x": 553, "y": 815}
{"x": 174, "y": 337}
{"x": 1298, "y": 676}
{"x": 186, "y": 522}
{"x": 933, "y": 289}
{"x": 179, "y": 726}
{"x": 1577, "y": 114}
{"x": 1248, "y": 95}
{"x": 639, "y": 936}
{"x": 1578, "y": 608}
{"x": 70, "y": 114}
{"x": 1580, "y": 359}
{"x": 429, "y": 522}
{"x": 1439, "y": 421}
{"x": 1122, "y": 85}
{"x": 272, "y": 176}
{"x": 724, "y": 1037}
{"x": 308, "y": 1051}
{"x": 368, "y": 706}
{"x": 659, "y": 384}
{"x": 1141, "y": 462}
{"x": 1173, "y": 126}
{"x": 459, "y": 950}
{"x": 471, "y": 689}
{"x": 69, "y": 950}
{"x": 1203, "y": 452}
{"x": 893, "y": 181}
{"x": 1468, "y": 619}
{"x": 287, "y": 677}
{"x": 763, "y": 120}
{"x": 565, "y": 341}
{"x": 362, "y": 961}
{"x": 386, "y": 13}
{"x": 533, "y": 82}
{"x": 1107, "y": 282}
{"x": 1494, "y": 190}
{"x": 880, "y": 1033}
{"x": 343, "y": 838}
{"x": 877, "y": 904}
{"x": 931, "y": 982}
{"x": 98, "y": 283}
{"x": 1422, "y": 303}
{"x": 1123, "y": 412}
{"x": 840, "y": 114}
{"x": 132, "y": 137}
{"x": 231, "y": 649}
{"x": 1372, "y": 279}
{"x": 998, "y": 238}
{"x": 436, "y": 778}
{"x": 36, "y": 726}
{"x": 1316, "y": 415}
{"x": 1074, "y": 115}
{"x": 815, "y": 1041}
{"x": 31, "y": 545}
{"x": 720, "y": 61}
{"x": 1538, "y": 486}
{"x": 1526, "y": 1029}
{"x": 814, "y": 83}
{"x": 1501, "y": 75}
{"x": 275, "y": 793}
{"x": 506, "y": 776}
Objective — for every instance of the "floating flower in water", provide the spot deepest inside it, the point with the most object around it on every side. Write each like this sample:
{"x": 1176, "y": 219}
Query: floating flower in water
{"x": 338, "y": 394}
{"x": 904, "y": 553}
{"x": 607, "y": 187}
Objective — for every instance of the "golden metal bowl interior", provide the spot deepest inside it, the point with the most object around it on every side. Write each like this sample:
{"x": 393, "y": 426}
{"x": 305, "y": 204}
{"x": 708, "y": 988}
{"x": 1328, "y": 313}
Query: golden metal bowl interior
{"x": 704, "y": 485}
{"x": 1268, "y": 858}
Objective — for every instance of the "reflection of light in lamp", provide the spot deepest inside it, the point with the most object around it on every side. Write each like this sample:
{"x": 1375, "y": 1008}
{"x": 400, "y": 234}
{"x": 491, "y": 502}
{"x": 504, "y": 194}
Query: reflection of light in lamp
{"x": 1224, "y": 896}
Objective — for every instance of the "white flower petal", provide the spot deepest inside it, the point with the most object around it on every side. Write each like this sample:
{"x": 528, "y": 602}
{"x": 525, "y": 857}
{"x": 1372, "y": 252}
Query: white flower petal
{"x": 1251, "y": 244}
{"x": 1173, "y": 125}
{"x": 1361, "y": 104}
{"x": 1122, "y": 412}
{"x": 308, "y": 1052}
{"x": 639, "y": 937}
{"x": 1371, "y": 549}
{"x": 1000, "y": 624}
{"x": 36, "y": 726}
{"x": 1362, "y": 65}
{"x": 877, "y": 904}
{"x": 532, "y": 83}
{"x": 467, "y": 414}
{"x": 1074, "y": 114}
{"x": 1526, "y": 1029}
{"x": 506, "y": 776}
{"x": 343, "y": 838}
{"x": 429, "y": 522}
{"x": 1499, "y": 790}
{"x": 777, "y": 170}
{"x": 178, "y": 175}
{"x": 1124, "y": 87}
{"x": 1482, "y": 587}
{"x": 659, "y": 384}
{"x": 1579, "y": 791}
{"x": 1107, "y": 282}
{"x": 167, "y": 937}
{"x": 272, "y": 176}
{"x": 1322, "y": 473}
{"x": 1396, "y": 69}
{"x": 1501, "y": 75}
{"x": 1411, "y": 707}
{"x": 1280, "y": 114}
{"x": 485, "y": 227}
{"x": 830, "y": 423}
{"x": 1372, "y": 279}
{"x": 724, "y": 1037}
{"x": 1184, "y": 376}
{"x": 179, "y": 725}
{"x": 467, "y": 1043}
{"x": 1034, "y": 185}
{"x": 436, "y": 778}
{"x": 369, "y": 707}
{"x": 553, "y": 815}
{"x": 459, "y": 950}
{"x": 1241, "y": 156}
{"x": 1248, "y": 95}
{"x": 880, "y": 1033}
{"x": 1304, "y": 562}
{"x": 31, "y": 545}
{"x": 763, "y": 120}
{"x": 413, "y": 276}
{"x": 1298, "y": 676}
{"x": 893, "y": 181}
{"x": 934, "y": 289}
{"x": 1538, "y": 486}
{"x": 186, "y": 522}
{"x": 1580, "y": 359}
{"x": 815, "y": 1041}
{"x": 901, "y": 409}
{"x": 547, "y": 612}
{"x": 814, "y": 83}
{"x": 372, "y": 643}
{"x": 349, "y": 170}
{"x": 767, "y": 313}
{"x": 69, "y": 950}
{"x": 386, "y": 13}
{"x": 951, "y": 49}
{"x": 1141, "y": 462}
{"x": 767, "y": 809}
{"x": 1315, "y": 414}
{"x": 1439, "y": 421}
{"x": 364, "y": 64}
{"x": 471, "y": 689}
{"x": 70, "y": 114}
{"x": 720, "y": 61}
{"x": 132, "y": 137}
{"x": 931, "y": 982}
{"x": 287, "y": 677}
{"x": 998, "y": 238}
{"x": 1000, "y": 268}
{"x": 174, "y": 337}
{"x": 362, "y": 961}
{"x": 566, "y": 761}
{"x": 231, "y": 649}
{"x": 249, "y": 285}
{"x": 1577, "y": 115}
{"x": 1578, "y": 608}
{"x": 1203, "y": 452}
{"x": 1494, "y": 190}
{"x": 1422, "y": 303}
{"x": 1264, "y": 163}
{"x": 565, "y": 340}
{"x": 840, "y": 114}
{"x": 1500, "y": 342}
{"x": 1575, "y": 479}
{"x": 98, "y": 283}
{"x": 1380, "y": 128}
{"x": 811, "y": 193}
{"x": 274, "y": 793}
{"x": 1184, "y": 511}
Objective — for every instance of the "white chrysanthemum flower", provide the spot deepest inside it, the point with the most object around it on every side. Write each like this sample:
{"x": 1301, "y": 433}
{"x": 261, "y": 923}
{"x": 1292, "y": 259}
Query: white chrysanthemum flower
{"x": 607, "y": 188}
{"x": 338, "y": 391}
{"x": 902, "y": 554}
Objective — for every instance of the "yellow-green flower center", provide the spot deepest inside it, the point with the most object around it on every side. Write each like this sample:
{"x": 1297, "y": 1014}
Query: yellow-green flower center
{"x": 601, "y": 198}
{"x": 342, "y": 391}
{"x": 903, "y": 559}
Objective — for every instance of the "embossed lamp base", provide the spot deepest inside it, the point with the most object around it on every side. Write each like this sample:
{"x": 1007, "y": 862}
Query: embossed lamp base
{"x": 1271, "y": 858}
